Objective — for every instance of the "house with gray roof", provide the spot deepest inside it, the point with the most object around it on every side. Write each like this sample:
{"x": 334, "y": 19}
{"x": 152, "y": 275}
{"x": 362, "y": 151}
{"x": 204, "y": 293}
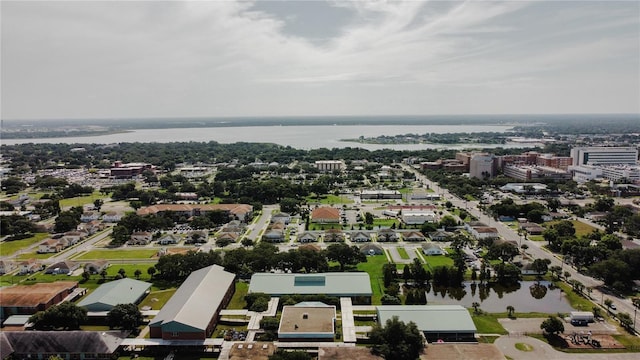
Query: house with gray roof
{"x": 437, "y": 322}
{"x": 192, "y": 312}
{"x": 355, "y": 285}
{"x": 108, "y": 295}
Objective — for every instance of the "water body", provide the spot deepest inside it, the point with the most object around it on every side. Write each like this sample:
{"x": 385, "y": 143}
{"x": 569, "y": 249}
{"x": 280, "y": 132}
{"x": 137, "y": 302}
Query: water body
{"x": 299, "y": 137}
{"x": 528, "y": 297}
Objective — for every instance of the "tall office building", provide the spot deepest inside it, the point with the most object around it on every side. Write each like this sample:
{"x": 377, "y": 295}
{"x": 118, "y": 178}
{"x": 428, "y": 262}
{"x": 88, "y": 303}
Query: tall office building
{"x": 482, "y": 166}
{"x": 604, "y": 155}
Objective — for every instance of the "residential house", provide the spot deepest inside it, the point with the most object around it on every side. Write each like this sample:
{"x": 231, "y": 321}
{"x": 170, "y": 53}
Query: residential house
{"x": 29, "y": 267}
{"x": 169, "y": 239}
{"x": 274, "y": 233}
{"x": 96, "y": 267}
{"x": 6, "y": 266}
{"x": 62, "y": 267}
{"x": 233, "y": 226}
{"x": 596, "y": 216}
{"x": 281, "y": 217}
{"x": 470, "y": 225}
{"x": 111, "y": 217}
{"x": 371, "y": 249}
{"x": 140, "y": 238}
{"x": 484, "y": 232}
{"x": 89, "y": 216}
{"x": 440, "y": 235}
{"x": 197, "y": 237}
{"x": 387, "y": 235}
{"x": 431, "y": 249}
{"x": 91, "y": 227}
{"x": 74, "y": 237}
{"x": 232, "y": 236}
{"x": 532, "y": 228}
{"x": 325, "y": 215}
{"x": 360, "y": 236}
{"x": 50, "y": 246}
{"x": 334, "y": 235}
{"x": 413, "y": 236}
{"x": 307, "y": 237}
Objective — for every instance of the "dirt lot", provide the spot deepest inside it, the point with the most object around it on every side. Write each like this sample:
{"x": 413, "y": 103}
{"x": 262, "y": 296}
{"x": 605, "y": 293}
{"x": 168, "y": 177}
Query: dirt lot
{"x": 606, "y": 342}
{"x": 462, "y": 352}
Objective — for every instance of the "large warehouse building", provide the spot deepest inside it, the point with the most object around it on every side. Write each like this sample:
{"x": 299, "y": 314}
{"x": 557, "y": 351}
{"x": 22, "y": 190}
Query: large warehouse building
{"x": 437, "y": 322}
{"x": 192, "y": 312}
{"x": 355, "y": 285}
{"x": 29, "y": 299}
{"x": 123, "y": 291}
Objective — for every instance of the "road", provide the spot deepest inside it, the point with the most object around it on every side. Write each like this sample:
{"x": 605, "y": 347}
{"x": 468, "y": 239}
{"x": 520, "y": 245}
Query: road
{"x": 535, "y": 247}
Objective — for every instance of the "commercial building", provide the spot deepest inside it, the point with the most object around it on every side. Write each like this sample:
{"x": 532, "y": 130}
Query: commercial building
{"x": 627, "y": 173}
{"x": 312, "y": 321}
{"x": 192, "y": 312}
{"x": 86, "y": 345}
{"x": 380, "y": 194}
{"x": 532, "y": 172}
{"x": 108, "y": 295}
{"x": 129, "y": 170}
{"x": 482, "y": 166}
{"x": 240, "y": 211}
{"x": 355, "y": 285}
{"x": 437, "y": 322}
{"x": 330, "y": 165}
{"x": 604, "y": 155}
{"x": 29, "y": 299}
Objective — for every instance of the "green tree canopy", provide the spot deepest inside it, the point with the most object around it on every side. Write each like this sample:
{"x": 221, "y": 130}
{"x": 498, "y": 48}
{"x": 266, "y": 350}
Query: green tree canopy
{"x": 124, "y": 316}
{"x": 397, "y": 340}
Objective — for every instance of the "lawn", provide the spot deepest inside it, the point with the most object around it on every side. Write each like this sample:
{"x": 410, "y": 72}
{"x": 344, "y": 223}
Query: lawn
{"x": 582, "y": 229}
{"x": 237, "y": 301}
{"x": 385, "y": 223}
{"x": 118, "y": 254}
{"x": 576, "y": 300}
{"x": 9, "y": 247}
{"x": 129, "y": 270}
{"x": 373, "y": 267}
{"x": 487, "y": 324}
{"x": 81, "y": 200}
{"x": 329, "y": 199}
{"x": 402, "y": 252}
{"x": 161, "y": 296}
{"x": 438, "y": 260}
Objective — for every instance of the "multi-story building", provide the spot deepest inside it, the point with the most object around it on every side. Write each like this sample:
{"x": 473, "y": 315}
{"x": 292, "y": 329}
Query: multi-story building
{"x": 553, "y": 161}
{"x": 482, "y": 166}
{"x": 604, "y": 155}
{"x": 584, "y": 173}
{"x": 330, "y": 165}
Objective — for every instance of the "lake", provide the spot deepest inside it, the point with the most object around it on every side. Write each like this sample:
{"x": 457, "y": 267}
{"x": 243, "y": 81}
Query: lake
{"x": 527, "y": 297}
{"x": 299, "y": 137}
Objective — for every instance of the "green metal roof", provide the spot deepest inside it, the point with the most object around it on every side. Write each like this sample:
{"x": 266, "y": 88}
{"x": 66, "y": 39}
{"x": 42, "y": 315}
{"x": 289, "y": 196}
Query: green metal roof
{"x": 333, "y": 284}
{"x": 430, "y": 318}
{"x": 108, "y": 295}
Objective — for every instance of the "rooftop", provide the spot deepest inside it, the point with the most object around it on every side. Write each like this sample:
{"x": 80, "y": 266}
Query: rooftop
{"x": 430, "y": 318}
{"x": 332, "y": 284}
{"x": 307, "y": 319}
{"x": 33, "y": 295}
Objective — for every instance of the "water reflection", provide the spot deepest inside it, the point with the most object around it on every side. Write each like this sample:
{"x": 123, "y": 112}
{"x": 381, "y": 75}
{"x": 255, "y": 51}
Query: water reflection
{"x": 528, "y": 296}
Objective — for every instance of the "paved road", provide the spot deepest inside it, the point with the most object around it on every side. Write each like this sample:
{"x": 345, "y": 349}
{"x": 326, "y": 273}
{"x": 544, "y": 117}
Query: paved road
{"x": 542, "y": 350}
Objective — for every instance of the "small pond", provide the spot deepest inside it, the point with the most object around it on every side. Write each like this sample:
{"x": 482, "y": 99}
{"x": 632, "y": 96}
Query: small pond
{"x": 528, "y": 296}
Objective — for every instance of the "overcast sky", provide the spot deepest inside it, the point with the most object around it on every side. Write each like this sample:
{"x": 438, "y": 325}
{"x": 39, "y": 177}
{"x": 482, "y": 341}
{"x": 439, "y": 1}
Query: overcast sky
{"x": 171, "y": 59}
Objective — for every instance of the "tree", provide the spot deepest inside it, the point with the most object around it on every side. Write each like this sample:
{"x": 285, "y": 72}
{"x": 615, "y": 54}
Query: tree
{"x": 608, "y": 303}
{"x": 540, "y": 266}
{"x": 86, "y": 276}
{"x": 389, "y": 273}
{"x": 552, "y": 325}
{"x": 397, "y": 340}
{"x": 625, "y": 320}
{"x": 510, "y": 311}
{"x": 345, "y": 254}
{"x": 137, "y": 273}
{"x": 246, "y": 242}
{"x": 368, "y": 218}
{"x": 122, "y": 272}
{"x": 388, "y": 299}
{"x": 66, "y": 316}
{"x": 151, "y": 271}
{"x": 125, "y": 317}
{"x": 476, "y": 308}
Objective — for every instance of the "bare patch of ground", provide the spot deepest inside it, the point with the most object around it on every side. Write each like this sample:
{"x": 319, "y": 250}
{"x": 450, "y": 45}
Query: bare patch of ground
{"x": 462, "y": 352}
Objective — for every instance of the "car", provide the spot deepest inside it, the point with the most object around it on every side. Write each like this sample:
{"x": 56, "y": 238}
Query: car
{"x": 613, "y": 307}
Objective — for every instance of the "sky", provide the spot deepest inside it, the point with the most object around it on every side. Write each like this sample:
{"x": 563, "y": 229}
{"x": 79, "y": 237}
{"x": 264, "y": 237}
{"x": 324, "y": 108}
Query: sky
{"x": 125, "y": 59}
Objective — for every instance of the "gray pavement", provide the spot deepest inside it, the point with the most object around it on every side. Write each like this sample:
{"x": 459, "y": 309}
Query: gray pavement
{"x": 542, "y": 350}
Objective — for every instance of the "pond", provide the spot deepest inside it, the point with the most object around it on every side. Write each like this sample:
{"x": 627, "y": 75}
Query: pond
{"x": 528, "y": 296}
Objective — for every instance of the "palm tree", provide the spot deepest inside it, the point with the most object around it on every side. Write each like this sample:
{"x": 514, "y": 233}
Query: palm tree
{"x": 476, "y": 307}
{"x": 510, "y": 311}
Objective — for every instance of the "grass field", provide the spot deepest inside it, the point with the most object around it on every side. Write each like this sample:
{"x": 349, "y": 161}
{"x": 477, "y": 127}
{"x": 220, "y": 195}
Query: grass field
{"x": 487, "y": 323}
{"x": 581, "y": 228}
{"x": 576, "y": 300}
{"x": 329, "y": 200}
{"x": 237, "y": 301}
{"x": 373, "y": 267}
{"x": 10, "y": 247}
{"x": 81, "y": 200}
{"x": 161, "y": 296}
{"x": 402, "y": 252}
{"x": 118, "y": 254}
{"x": 129, "y": 270}
{"x": 34, "y": 255}
{"x": 438, "y": 260}
{"x": 385, "y": 223}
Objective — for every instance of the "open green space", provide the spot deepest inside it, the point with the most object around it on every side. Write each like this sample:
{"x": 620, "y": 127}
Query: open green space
{"x": 118, "y": 254}
{"x": 34, "y": 255}
{"x": 582, "y": 229}
{"x": 329, "y": 199}
{"x": 524, "y": 347}
{"x": 577, "y": 301}
{"x": 438, "y": 260}
{"x": 316, "y": 226}
{"x": 385, "y": 223}
{"x": 129, "y": 270}
{"x": 81, "y": 200}
{"x": 157, "y": 299}
{"x": 402, "y": 252}
{"x": 373, "y": 267}
{"x": 10, "y": 247}
{"x": 487, "y": 324}
{"x": 237, "y": 301}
